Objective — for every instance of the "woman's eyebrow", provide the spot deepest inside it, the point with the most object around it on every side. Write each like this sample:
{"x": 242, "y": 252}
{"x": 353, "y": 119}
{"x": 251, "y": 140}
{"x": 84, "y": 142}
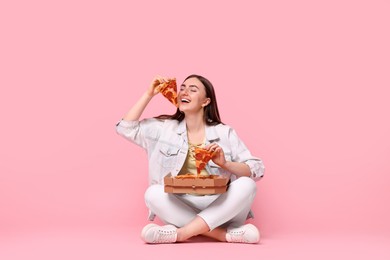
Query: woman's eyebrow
{"x": 190, "y": 86}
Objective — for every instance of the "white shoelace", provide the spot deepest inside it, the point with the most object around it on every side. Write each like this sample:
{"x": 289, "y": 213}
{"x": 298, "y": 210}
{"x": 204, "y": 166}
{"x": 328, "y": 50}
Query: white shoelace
{"x": 165, "y": 236}
{"x": 237, "y": 236}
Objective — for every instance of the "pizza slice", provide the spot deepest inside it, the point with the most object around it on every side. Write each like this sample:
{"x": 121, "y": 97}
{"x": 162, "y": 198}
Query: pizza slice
{"x": 202, "y": 157}
{"x": 169, "y": 90}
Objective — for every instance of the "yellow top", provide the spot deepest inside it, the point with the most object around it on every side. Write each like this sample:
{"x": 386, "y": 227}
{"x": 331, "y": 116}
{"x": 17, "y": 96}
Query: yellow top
{"x": 190, "y": 164}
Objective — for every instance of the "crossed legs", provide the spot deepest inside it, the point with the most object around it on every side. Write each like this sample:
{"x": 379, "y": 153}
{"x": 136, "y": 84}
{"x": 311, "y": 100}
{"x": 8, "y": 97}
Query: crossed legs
{"x": 203, "y": 215}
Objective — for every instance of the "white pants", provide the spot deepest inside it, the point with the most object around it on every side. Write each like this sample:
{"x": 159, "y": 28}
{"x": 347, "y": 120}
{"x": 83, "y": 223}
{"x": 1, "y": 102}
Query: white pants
{"x": 228, "y": 209}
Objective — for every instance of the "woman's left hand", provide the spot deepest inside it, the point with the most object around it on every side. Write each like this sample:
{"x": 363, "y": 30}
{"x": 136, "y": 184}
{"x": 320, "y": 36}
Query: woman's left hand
{"x": 219, "y": 156}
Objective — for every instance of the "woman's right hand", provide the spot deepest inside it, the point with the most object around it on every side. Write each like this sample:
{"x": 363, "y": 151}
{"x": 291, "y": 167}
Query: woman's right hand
{"x": 155, "y": 86}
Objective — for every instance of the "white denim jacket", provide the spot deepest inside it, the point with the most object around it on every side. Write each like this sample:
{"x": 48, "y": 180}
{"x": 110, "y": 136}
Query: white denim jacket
{"x": 166, "y": 144}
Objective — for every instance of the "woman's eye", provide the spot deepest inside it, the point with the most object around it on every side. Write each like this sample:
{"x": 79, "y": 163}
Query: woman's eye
{"x": 193, "y": 90}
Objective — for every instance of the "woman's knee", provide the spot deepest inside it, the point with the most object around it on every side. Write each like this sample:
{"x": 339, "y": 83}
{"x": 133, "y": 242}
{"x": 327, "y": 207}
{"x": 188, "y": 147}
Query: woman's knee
{"x": 153, "y": 194}
{"x": 245, "y": 184}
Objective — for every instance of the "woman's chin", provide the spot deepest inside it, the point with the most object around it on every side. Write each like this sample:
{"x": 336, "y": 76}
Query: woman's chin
{"x": 183, "y": 108}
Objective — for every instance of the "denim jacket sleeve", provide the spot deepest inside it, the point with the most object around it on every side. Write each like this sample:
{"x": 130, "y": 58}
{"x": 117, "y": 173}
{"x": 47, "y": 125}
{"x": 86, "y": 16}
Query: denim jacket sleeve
{"x": 240, "y": 153}
{"x": 143, "y": 133}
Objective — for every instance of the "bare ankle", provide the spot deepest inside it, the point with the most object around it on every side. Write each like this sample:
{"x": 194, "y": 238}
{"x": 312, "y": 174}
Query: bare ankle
{"x": 180, "y": 235}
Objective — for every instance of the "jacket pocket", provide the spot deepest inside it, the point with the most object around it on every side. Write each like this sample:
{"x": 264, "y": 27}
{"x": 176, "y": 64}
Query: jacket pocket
{"x": 168, "y": 156}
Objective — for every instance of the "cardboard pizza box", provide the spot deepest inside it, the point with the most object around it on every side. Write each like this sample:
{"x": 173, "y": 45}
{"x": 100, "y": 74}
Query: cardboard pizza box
{"x": 202, "y": 186}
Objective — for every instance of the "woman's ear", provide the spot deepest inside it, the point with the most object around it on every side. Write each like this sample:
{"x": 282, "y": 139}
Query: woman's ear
{"x": 206, "y": 102}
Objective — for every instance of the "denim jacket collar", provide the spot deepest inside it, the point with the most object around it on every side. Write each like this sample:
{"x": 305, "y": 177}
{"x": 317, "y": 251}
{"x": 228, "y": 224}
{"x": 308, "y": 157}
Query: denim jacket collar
{"x": 182, "y": 127}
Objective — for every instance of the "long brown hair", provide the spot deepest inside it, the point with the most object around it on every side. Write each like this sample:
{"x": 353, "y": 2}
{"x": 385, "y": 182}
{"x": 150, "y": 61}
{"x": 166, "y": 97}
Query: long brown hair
{"x": 211, "y": 113}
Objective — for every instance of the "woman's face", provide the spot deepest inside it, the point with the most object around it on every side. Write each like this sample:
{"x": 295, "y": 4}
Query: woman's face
{"x": 192, "y": 96}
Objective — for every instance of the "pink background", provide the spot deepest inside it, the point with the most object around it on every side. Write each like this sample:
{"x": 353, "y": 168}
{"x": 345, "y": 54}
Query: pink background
{"x": 314, "y": 104}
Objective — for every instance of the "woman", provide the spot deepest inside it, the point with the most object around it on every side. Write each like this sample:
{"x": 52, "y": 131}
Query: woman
{"x": 169, "y": 142}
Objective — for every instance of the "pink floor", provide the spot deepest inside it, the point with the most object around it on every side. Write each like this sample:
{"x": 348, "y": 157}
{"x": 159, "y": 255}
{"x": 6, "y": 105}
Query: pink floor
{"x": 126, "y": 244}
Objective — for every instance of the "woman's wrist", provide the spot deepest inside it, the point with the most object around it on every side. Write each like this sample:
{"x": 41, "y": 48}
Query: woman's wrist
{"x": 225, "y": 165}
{"x": 148, "y": 95}
{"x": 237, "y": 168}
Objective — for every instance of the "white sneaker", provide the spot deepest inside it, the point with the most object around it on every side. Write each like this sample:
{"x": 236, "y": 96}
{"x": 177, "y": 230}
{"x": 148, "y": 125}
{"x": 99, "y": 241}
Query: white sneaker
{"x": 155, "y": 234}
{"x": 245, "y": 234}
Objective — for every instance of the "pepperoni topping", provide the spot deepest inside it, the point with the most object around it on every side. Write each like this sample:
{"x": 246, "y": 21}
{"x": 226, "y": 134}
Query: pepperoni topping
{"x": 202, "y": 156}
{"x": 169, "y": 91}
